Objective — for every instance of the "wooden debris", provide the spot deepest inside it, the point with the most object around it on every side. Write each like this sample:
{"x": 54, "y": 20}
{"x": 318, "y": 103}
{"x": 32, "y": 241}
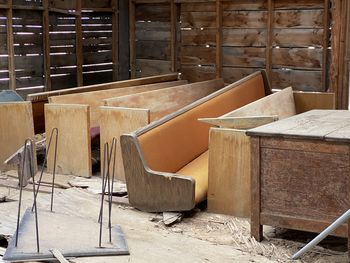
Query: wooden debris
{"x": 170, "y": 218}
{"x": 94, "y": 185}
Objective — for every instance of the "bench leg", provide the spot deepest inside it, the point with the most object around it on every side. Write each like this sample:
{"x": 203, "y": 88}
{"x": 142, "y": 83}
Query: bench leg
{"x": 256, "y": 231}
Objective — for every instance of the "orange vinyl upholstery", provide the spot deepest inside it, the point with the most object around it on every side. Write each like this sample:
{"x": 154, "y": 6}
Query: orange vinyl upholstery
{"x": 172, "y": 145}
{"x": 198, "y": 170}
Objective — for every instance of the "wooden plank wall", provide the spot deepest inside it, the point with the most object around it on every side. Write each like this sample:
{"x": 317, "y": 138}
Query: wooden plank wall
{"x": 292, "y": 40}
{"x": 55, "y": 44}
{"x": 151, "y": 45}
{"x": 284, "y": 37}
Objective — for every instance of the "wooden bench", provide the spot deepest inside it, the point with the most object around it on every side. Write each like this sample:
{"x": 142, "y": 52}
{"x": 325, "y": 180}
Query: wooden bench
{"x": 76, "y": 116}
{"x": 229, "y": 148}
{"x": 39, "y": 99}
{"x": 128, "y": 113}
{"x": 166, "y": 162}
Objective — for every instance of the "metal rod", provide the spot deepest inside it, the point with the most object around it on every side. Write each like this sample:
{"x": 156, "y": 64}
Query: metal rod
{"x": 20, "y": 190}
{"x": 31, "y": 153}
{"x": 104, "y": 181}
{"x": 54, "y": 167}
{"x": 323, "y": 235}
{"x": 45, "y": 161}
{"x": 113, "y": 153}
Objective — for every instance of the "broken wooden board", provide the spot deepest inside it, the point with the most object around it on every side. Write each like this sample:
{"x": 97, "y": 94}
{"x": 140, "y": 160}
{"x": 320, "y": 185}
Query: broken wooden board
{"x": 61, "y": 180}
{"x": 74, "y": 145}
{"x": 95, "y": 99}
{"x": 16, "y": 125}
{"x": 305, "y": 101}
{"x": 240, "y": 122}
{"x": 280, "y": 103}
{"x": 116, "y": 121}
{"x": 165, "y": 101}
{"x": 229, "y": 184}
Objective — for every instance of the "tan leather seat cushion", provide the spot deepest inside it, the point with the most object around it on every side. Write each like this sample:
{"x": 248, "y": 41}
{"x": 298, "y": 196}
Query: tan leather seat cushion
{"x": 173, "y": 144}
{"x": 198, "y": 170}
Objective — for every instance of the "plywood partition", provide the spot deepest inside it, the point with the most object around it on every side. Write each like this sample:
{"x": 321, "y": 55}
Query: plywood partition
{"x": 39, "y": 99}
{"x": 95, "y": 98}
{"x": 168, "y": 100}
{"x": 74, "y": 143}
{"x": 115, "y": 122}
{"x": 16, "y": 125}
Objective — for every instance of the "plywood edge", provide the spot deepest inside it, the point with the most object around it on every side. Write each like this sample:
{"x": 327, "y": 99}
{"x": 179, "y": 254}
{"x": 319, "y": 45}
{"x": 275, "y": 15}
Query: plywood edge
{"x": 247, "y": 122}
{"x": 43, "y": 96}
{"x": 219, "y": 83}
{"x": 67, "y": 98}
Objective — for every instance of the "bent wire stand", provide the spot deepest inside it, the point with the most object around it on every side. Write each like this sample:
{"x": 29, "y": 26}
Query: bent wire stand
{"x": 72, "y": 236}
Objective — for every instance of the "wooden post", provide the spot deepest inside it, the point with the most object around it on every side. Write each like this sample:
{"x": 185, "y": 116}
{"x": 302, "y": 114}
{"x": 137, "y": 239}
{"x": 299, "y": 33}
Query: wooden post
{"x": 173, "y": 15}
{"x": 10, "y": 48}
{"x": 345, "y": 75}
{"x": 115, "y": 29}
{"x": 79, "y": 43}
{"x": 269, "y": 48}
{"x": 344, "y": 92}
{"x": 256, "y": 228}
{"x": 132, "y": 38}
{"x": 219, "y": 13}
{"x": 325, "y": 44}
{"x": 46, "y": 44}
{"x": 123, "y": 44}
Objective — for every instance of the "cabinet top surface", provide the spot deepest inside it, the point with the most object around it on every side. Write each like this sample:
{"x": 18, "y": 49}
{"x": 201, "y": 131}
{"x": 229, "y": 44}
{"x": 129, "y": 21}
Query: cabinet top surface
{"x": 332, "y": 125}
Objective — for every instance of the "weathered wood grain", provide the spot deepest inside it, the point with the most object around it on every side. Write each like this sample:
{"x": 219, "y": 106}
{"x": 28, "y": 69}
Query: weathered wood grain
{"x": 115, "y": 122}
{"x": 165, "y": 101}
{"x": 229, "y": 184}
{"x": 16, "y": 125}
{"x": 95, "y": 98}
{"x": 305, "y": 101}
{"x": 74, "y": 143}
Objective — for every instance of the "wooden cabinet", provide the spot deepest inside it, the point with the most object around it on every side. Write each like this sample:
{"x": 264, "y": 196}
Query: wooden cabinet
{"x": 300, "y": 172}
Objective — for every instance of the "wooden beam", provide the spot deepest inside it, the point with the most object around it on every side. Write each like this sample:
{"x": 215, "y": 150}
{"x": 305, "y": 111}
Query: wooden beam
{"x": 173, "y": 14}
{"x": 79, "y": 44}
{"x": 132, "y": 38}
{"x": 10, "y": 48}
{"x": 344, "y": 91}
{"x": 115, "y": 42}
{"x": 123, "y": 45}
{"x": 269, "y": 48}
{"x": 46, "y": 45}
{"x": 325, "y": 44}
{"x": 219, "y": 14}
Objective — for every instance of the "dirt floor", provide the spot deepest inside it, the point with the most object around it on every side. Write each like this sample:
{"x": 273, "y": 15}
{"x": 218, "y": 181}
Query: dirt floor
{"x": 199, "y": 237}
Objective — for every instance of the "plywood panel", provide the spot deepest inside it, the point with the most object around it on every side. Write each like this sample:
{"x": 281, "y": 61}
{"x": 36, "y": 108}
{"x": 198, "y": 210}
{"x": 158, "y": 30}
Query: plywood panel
{"x": 16, "y": 125}
{"x": 305, "y": 101}
{"x": 74, "y": 145}
{"x": 229, "y": 184}
{"x": 280, "y": 103}
{"x": 115, "y": 122}
{"x": 165, "y": 101}
{"x": 95, "y": 98}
